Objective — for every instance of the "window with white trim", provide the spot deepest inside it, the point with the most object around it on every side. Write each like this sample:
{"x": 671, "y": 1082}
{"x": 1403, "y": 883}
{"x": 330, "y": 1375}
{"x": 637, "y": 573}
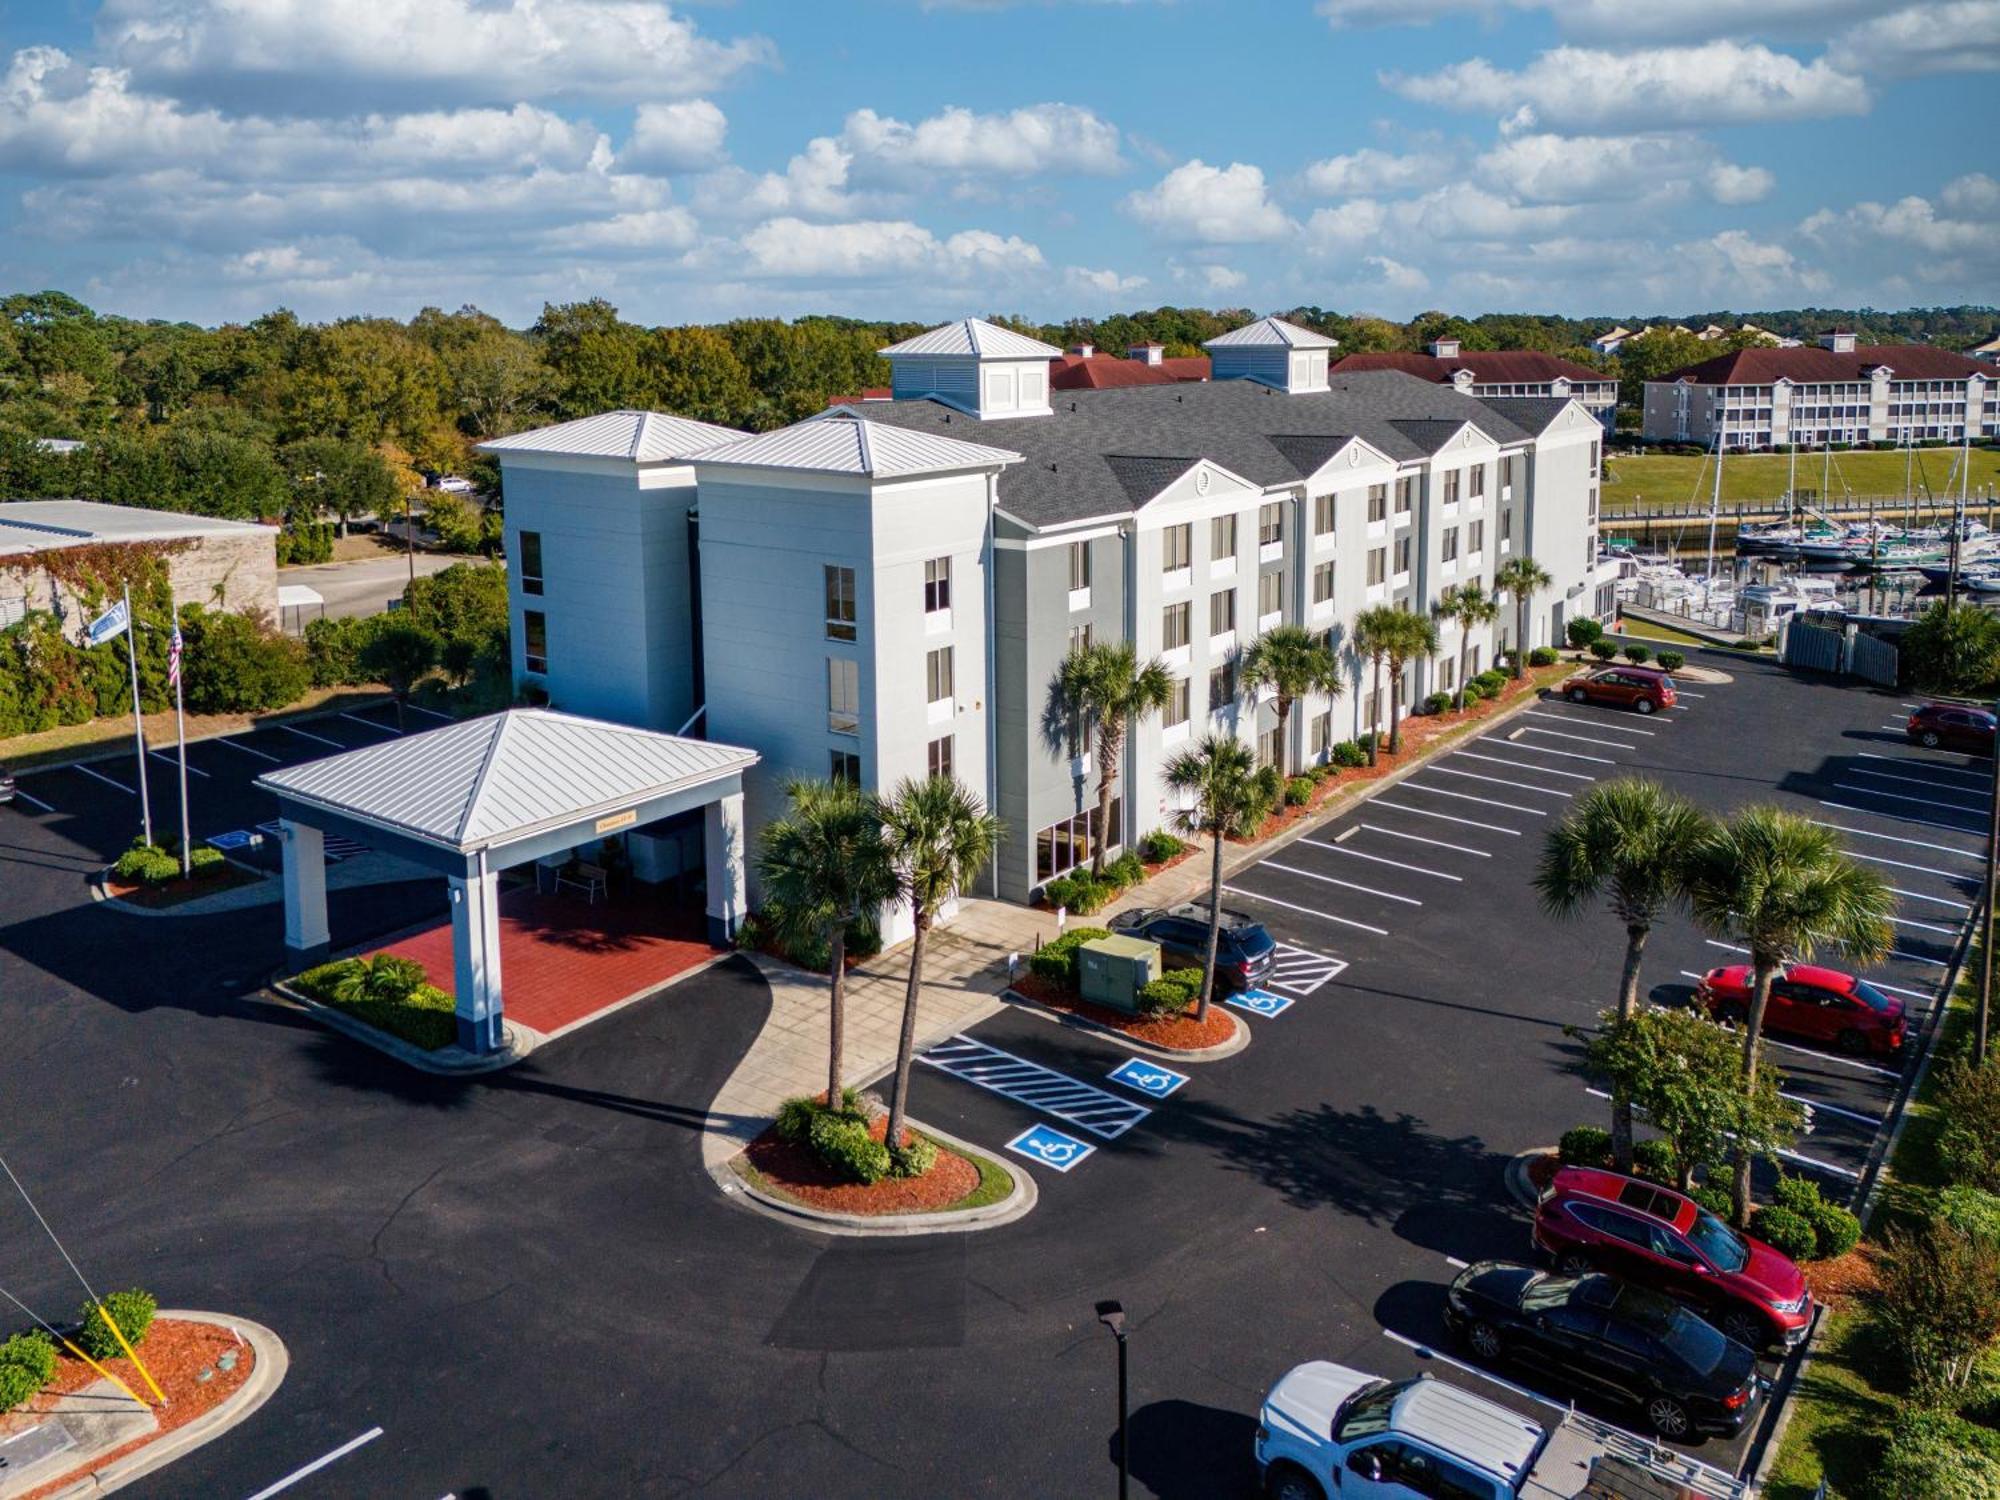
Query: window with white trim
{"x": 1174, "y": 626}
{"x": 1378, "y": 565}
{"x": 839, "y": 603}
{"x": 534, "y": 640}
{"x": 1222, "y": 612}
{"x": 1079, "y": 565}
{"x": 1222, "y": 538}
{"x": 937, "y": 585}
{"x": 1176, "y": 712}
{"x": 938, "y": 756}
{"x": 1378, "y": 502}
{"x": 1323, "y": 583}
{"x": 1176, "y": 547}
{"x": 843, "y": 695}
{"x": 1448, "y": 546}
{"x": 1270, "y": 593}
{"x": 1322, "y": 514}
{"x": 530, "y": 548}
{"x": 1270, "y": 523}
{"x": 937, "y": 674}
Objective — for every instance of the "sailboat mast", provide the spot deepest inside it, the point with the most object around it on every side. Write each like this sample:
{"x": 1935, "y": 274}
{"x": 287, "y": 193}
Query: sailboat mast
{"x": 1714, "y": 506}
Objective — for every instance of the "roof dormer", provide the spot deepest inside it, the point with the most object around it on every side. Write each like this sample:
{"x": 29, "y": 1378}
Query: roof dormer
{"x": 1445, "y": 348}
{"x": 976, "y": 366}
{"x": 1839, "y": 340}
{"x": 1274, "y": 353}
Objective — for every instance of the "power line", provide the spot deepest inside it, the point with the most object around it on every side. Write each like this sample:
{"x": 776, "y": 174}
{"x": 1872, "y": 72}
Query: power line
{"x": 74, "y": 1268}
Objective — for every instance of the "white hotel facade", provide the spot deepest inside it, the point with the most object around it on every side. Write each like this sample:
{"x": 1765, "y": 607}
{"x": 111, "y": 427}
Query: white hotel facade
{"x": 886, "y": 591}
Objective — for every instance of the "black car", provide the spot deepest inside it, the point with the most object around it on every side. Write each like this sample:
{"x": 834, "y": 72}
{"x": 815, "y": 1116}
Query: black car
{"x": 1243, "y": 949}
{"x": 1623, "y": 1342}
{"x": 1950, "y": 726}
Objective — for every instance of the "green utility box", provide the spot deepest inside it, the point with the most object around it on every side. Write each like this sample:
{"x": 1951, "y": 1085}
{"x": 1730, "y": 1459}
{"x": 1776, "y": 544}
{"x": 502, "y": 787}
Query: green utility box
{"x": 1112, "y": 970}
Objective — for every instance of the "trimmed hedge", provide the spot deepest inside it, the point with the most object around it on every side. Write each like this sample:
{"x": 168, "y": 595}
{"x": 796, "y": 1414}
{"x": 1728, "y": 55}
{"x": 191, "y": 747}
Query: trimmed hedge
{"x": 1079, "y": 892}
{"x": 843, "y": 1144}
{"x": 1055, "y": 961}
{"x": 27, "y": 1363}
{"x": 388, "y": 996}
{"x": 1349, "y": 753}
{"x": 1585, "y": 1146}
{"x": 1437, "y": 703}
{"x": 1159, "y": 846}
{"x": 1671, "y": 661}
{"x": 1490, "y": 681}
{"x": 1172, "y": 993}
{"x": 1583, "y": 632}
{"x": 1544, "y": 656}
{"x": 1603, "y": 650}
{"x": 1783, "y": 1230}
{"x": 131, "y": 1310}
{"x": 1636, "y": 653}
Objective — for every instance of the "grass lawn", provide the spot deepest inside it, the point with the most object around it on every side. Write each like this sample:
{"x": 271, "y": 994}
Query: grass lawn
{"x": 1661, "y": 479}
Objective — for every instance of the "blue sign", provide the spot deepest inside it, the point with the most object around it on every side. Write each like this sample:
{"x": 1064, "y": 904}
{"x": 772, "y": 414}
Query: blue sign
{"x": 1148, "y": 1078}
{"x": 236, "y": 838}
{"x": 1260, "y": 1002}
{"x": 1049, "y": 1147}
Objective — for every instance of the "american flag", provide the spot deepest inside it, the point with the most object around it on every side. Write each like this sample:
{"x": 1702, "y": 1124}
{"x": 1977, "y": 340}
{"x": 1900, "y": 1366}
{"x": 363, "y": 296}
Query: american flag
{"x": 174, "y": 658}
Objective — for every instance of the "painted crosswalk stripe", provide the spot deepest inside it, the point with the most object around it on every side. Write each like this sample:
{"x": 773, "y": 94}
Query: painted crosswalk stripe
{"x": 1311, "y": 911}
{"x": 1366, "y": 890}
{"x": 1867, "y": 833}
{"x": 1524, "y": 765}
{"x": 1941, "y": 790}
{"x": 108, "y": 781}
{"x": 1438, "y": 791}
{"x": 1574, "y": 721}
{"x": 247, "y": 750}
{"x": 1518, "y": 743}
{"x": 1395, "y": 864}
{"x": 1418, "y": 838}
{"x": 1302, "y": 971}
{"x": 1520, "y": 786}
{"x": 1425, "y": 812}
{"x": 1083, "y": 1105}
{"x": 1916, "y": 765}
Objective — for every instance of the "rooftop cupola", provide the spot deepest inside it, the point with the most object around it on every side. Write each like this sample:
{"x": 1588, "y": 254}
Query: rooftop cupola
{"x": 1274, "y": 353}
{"x": 1839, "y": 340}
{"x": 1445, "y": 348}
{"x": 1148, "y": 353}
{"x": 975, "y": 366}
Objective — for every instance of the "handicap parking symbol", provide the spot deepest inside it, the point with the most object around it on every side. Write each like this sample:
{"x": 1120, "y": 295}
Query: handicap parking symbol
{"x": 1050, "y": 1147}
{"x": 1149, "y": 1078}
{"x": 1260, "y": 1002}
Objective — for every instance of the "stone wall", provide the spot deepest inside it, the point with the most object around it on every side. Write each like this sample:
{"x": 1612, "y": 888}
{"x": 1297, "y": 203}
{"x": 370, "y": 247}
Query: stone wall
{"x": 237, "y": 571}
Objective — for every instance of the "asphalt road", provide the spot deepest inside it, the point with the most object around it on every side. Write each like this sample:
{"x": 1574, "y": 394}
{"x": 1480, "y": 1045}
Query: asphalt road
{"x": 366, "y": 585}
{"x": 528, "y": 1285}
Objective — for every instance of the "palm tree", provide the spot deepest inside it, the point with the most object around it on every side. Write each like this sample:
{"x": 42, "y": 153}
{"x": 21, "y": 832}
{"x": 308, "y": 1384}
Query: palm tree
{"x": 1217, "y": 780}
{"x": 1467, "y": 605}
{"x": 1372, "y": 631}
{"x": 939, "y": 839}
{"x": 1634, "y": 844}
{"x": 822, "y": 865}
{"x": 1522, "y": 577}
{"x": 1292, "y": 661}
{"x": 1783, "y": 887}
{"x": 1106, "y": 687}
{"x": 1412, "y": 637}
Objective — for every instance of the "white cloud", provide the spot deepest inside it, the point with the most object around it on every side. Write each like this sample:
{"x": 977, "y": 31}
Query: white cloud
{"x": 1222, "y": 278}
{"x": 1358, "y": 13}
{"x": 1034, "y": 139}
{"x": 1729, "y": 183}
{"x": 1956, "y": 36}
{"x": 1358, "y": 222}
{"x": 673, "y": 137}
{"x": 1910, "y": 224}
{"x": 1101, "y": 283}
{"x": 1210, "y": 205}
{"x": 882, "y": 248}
{"x": 650, "y": 231}
{"x": 1617, "y": 20}
{"x": 1370, "y": 170}
{"x": 1547, "y": 168}
{"x": 1733, "y": 266}
{"x": 1718, "y": 83}
{"x": 1974, "y": 193}
{"x": 1394, "y": 276}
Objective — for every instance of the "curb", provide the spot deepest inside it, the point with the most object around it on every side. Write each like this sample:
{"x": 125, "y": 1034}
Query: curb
{"x": 1519, "y": 1186}
{"x": 445, "y": 1062}
{"x": 1015, "y": 1205}
{"x": 100, "y": 893}
{"x": 266, "y": 1375}
{"x": 1097, "y": 1028}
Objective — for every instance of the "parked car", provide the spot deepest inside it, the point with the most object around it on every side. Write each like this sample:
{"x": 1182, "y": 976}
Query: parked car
{"x": 1243, "y": 949}
{"x": 1621, "y": 1341}
{"x": 1641, "y": 688}
{"x": 6, "y": 785}
{"x": 1594, "y": 1220}
{"x": 1951, "y": 726}
{"x": 1823, "y": 1005}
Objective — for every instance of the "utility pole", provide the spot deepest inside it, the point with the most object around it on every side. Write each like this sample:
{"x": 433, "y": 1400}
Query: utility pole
{"x": 1992, "y": 886}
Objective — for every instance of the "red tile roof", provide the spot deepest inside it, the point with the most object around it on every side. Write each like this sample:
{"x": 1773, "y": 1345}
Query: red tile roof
{"x": 1761, "y": 365}
{"x": 1488, "y": 366}
{"x": 1074, "y": 372}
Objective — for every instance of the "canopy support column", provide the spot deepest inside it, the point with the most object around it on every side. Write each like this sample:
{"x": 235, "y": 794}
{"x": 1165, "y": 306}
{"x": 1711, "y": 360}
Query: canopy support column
{"x": 722, "y": 847}
{"x": 306, "y": 933}
{"x": 475, "y": 948}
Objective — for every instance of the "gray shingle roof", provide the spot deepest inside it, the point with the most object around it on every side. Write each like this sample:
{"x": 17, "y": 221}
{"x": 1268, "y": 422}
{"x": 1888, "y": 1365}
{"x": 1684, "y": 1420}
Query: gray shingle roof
{"x": 642, "y": 436}
{"x": 1532, "y": 414}
{"x": 841, "y": 443}
{"x": 1267, "y": 436}
{"x": 1431, "y": 433}
{"x": 1142, "y": 477}
{"x": 493, "y": 779}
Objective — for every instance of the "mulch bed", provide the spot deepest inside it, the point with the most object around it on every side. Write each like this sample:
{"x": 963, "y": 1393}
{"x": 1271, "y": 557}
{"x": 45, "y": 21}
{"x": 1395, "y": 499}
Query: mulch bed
{"x": 792, "y": 1170}
{"x": 1837, "y": 1282}
{"x": 174, "y": 892}
{"x": 1180, "y": 1033}
{"x": 176, "y": 1353}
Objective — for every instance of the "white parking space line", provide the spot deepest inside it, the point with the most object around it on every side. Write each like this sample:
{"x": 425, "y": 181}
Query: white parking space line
{"x": 1895, "y": 839}
{"x": 1438, "y": 791}
{"x": 1892, "y": 728}
{"x": 1924, "y": 926}
{"x": 31, "y": 797}
{"x": 1829, "y": 1057}
{"x": 1918, "y": 958}
{"x": 1581, "y": 739}
{"x": 1915, "y": 958}
{"x": 193, "y": 770}
{"x": 1381, "y": 860}
{"x": 1573, "y": 720}
{"x": 307, "y": 734}
{"x": 1920, "y": 896}
{"x": 1820, "y": 1166}
{"x": 317, "y": 1464}
{"x": 1515, "y": 740}
{"x": 1903, "y": 760}
{"x": 1878, "y": 859}
{"x": 1681, "y": 692}
{"x": 1931, "y": 801}
{"x": 1425, "y": 812}
{"x": 417, "y": 708}
{"x": 1311, "y": 911}
{"x": 1368, "y": 890}
{"x": 1897, "y": 989}
{"x": 226, "y": 740}
{"x": 1418, "y": 838}
{"x": 385, "y": 728}
{"x": 1818, "y": 1106}
{"x": 1522, "y": 765}
{"x": 1947, "y": 791}
{"x": 100, "y": 776}
{"x": 1520, "y": 786}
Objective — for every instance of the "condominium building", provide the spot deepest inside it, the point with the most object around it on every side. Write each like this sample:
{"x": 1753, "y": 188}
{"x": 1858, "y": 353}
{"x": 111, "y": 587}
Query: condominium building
{"x": 887, "y": 591}
{"x": 1837, "y": 392}
{"x": 1501, "y": 372}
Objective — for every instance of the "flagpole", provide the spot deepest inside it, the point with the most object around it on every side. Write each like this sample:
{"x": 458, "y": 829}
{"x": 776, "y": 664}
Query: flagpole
{"x": 180, "y": 725}
{"x": 138, "y": 722}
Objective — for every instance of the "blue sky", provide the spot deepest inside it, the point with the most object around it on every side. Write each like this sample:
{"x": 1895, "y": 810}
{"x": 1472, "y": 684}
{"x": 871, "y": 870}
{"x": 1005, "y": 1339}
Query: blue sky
{"x": 210, "y": 159}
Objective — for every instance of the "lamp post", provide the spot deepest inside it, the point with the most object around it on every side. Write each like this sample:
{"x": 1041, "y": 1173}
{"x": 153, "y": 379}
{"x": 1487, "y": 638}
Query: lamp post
{"x": 1983, "y": 1020}
{"x": 1112, "y": 1316}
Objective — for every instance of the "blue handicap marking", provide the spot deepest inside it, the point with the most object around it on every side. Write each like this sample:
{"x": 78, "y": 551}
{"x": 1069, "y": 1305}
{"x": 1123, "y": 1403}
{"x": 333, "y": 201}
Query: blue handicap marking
{"x": 236, "y": 838}
{"x": 1260, "y": 1002}
{"x": 1147, "y": 1077}
{"x": 1050, "y": 1147}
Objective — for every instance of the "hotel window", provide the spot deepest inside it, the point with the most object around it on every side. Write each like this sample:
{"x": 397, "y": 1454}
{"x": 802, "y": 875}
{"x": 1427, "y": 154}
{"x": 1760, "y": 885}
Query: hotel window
{"x": 1451, "y": 488}
{"x": 535, "y": 640}
{"x": 1176, "y": 547}
{"x": 1322, "y": 733}
{"x": 1221, "y": 686}
{"x": 940, "y": 756}
{"x": 937, "y": 585}
{"x": 1061, "y": 847}
{"x": 1270, "y": 523}
{"x": 1448, "y": 551}
{"x": 1222, "y": 612}
{"x": 1594, "y": 455}
{"x": 530, "y": 547}
{"x": 1174, "y": 626}
{"x": 1378, "y": 565}
{"x": 1080, "y": 638}
{"x": 937, "y": 674}
{"x": 1079, "y": 565}
{"x": 1446, "y": 666}
{"x": 1270, "y": 746}
{"x": 839, "y": 603}
{"x": 1402, "y": 554}
{"x": 1270, "y": 593}
{"x": 1378, "y": 502}
{"x": 1322, "y": 514}
{"x": 844, "y": 766}
{"x": 1176, "y": 711}
{"x": 1222, "y": 537}
{"x": 1506, "y": 526}
{"x": 1406, "y": 494}
{"x": 1323, "y": 583}
{"x": 1593, "y": 504}
{"x": 843, "y": 695}
{"x": 1476, "y": 482}
{"x": 1475, "y": 537}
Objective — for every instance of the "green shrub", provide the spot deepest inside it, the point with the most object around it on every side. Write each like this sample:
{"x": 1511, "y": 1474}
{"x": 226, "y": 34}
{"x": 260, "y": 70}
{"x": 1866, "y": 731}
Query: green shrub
{"x": 132, "y": 863}
{"x": 1474, "y": 691}
{"x": 1969, "y": 1145}
{"x": 1784, "y": 1231}
{"x": 1655, "y": 1159}
{"x": 206, "y": 863}
{"x": 1671, "y": 661}
{"x": 750, "y": 934}
{"x": 1716, "y": 1198}
{"x": 1127, "y": 869}
{"x": 1055, "y": 961}
{"x": 1491, "y": 681}
{"x": 333, "y": 650}
{"x": 1749, "y": 643}
{"x": 1298, "y": 791}
{"x": 1636, "y": 653}
{"x": 388, "y": 993}
{"x": 843, "y": 1145}
{"x": 916, "y": 1156}
{"x": 1159, "y": 846}
{"x": 1366, "y": 740}
{"x": 1437, "y": 703}
{"x": 1543, "y": 656}
{"x": 1581, "y": 633}
{"x": 1603, "y": 650}
{"x": 27, "y": 1363}
{"x": 1585, "y": 1146}
{"x": 238, "y": 663}
{"x": 132, "y": 1311}
{"x": 1349, "y": 753}
{"x": 1172, "y": 993}
{"x": 796, "y": 1114}
{"x": 1936, "y": 1455}
{"x": 1079, "y": 892}
{"x": 1972, "y": 1211}
{"x": 1835, "y": 1230}
{"x": 1799, "y": 1194}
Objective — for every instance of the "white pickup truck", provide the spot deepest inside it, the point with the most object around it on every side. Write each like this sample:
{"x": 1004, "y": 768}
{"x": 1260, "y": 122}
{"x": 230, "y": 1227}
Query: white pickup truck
{"x": 1330, "y": 1433}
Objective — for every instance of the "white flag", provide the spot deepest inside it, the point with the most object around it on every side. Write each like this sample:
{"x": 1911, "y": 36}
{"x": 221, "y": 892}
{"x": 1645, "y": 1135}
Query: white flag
{"x": 106, "y": 625}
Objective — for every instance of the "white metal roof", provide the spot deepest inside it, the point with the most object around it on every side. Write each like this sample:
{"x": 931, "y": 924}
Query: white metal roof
{"x": 978, "y": 337}
{"x": 298, "y": 596}
{"x": 1268, "y": 333}
{"x": 836, "y": 443}
{"x": 505, "y": 776}
{"x": 642, "y": 436}
{"x": 44, "y": 525}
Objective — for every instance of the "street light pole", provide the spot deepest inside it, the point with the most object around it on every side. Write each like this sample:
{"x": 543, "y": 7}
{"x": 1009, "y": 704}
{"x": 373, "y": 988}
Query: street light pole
{"x": 1112, "y": 1316}
{"x": 1992, "y": 886}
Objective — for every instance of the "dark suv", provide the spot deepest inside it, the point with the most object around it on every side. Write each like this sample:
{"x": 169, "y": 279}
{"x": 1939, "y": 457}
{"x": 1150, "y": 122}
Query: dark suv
{"x": 1948, "y": 726}
{"x": 1592, "y": 1220}
{"x": 1243, "y": 949}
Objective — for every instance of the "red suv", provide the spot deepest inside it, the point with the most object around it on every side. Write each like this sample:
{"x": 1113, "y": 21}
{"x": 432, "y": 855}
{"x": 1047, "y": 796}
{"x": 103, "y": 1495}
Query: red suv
{"x": 1643, "y": 688}
{"x": 1592, "y": 1220}
{"x": 1950, "y": 726}
{"x": 1821, "y": 1004}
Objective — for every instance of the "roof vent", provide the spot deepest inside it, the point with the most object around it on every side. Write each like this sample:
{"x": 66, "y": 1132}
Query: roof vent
{"x": 1083, "y": 351}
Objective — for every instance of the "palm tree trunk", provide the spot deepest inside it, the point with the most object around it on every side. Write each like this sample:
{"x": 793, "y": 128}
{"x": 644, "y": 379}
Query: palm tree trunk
{"x": 1464, "y": 660}
{"x": 1284, "y": 739}
{"x": 1628, "y": 1002}
{"x": 1395, "y": 710}
{"x": 836, "y": 945}
{"x": 1753, "y": 1036}
{"x": 1520, "y": 637}
{"x": 1110, "y": 742}
{"x": 906, "y": 1041}
{"x": 1375, "y": 711}
{"x": 1214, "y": 927}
